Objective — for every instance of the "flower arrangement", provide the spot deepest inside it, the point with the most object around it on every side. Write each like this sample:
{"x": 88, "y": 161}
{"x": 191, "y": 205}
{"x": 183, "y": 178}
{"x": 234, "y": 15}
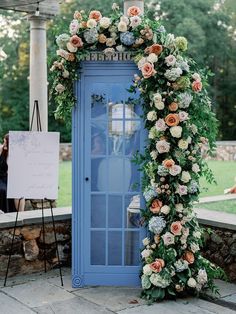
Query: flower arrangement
{"x": 178, "y": 117}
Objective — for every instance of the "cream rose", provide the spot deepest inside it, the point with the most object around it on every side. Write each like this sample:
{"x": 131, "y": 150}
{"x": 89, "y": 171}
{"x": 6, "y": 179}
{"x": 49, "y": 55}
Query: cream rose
{"x": 191, "y": 282}
{"x": 183, "y": 144}
{"x": 122, "y": 27}
{"x": 159, "y": 105}
{"x": 185, "y": 177}
{"x": 165, "y": 209}
{"x": 176, "y": 131}
{"x": 152, "y": 58}
{"x": 105, "y": 22}
{"x": 151, "y": 116}
{"x": 91, "y": 23}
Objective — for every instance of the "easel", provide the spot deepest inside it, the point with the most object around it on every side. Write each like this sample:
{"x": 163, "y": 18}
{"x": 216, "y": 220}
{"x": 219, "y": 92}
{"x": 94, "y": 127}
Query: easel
{"x": 39, "y": 129}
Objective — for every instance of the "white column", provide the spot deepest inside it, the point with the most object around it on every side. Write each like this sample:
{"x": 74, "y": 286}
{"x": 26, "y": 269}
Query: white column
{"x": 136, "y": 3}
{"x": 38, "y": 70}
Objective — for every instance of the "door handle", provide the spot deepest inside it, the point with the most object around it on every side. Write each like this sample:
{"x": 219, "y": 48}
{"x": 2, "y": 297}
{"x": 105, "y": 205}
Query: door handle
{"x": 86, "y": 179}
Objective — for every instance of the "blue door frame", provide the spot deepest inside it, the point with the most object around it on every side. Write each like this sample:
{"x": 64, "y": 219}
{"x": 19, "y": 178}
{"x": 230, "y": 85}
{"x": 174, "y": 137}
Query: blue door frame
{"x": 105, "y": 236}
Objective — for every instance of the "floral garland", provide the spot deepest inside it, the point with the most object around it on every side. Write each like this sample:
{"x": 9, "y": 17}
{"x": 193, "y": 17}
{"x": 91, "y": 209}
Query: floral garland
{"x": 178, "y": 117}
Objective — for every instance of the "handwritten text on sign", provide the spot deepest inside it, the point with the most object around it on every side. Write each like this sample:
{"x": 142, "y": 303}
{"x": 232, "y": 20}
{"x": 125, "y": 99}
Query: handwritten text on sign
{"x": 33, "y": 165}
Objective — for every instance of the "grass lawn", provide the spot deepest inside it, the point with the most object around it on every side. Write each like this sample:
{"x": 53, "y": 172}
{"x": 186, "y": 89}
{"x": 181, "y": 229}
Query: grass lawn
{"x": 224, "y": 171}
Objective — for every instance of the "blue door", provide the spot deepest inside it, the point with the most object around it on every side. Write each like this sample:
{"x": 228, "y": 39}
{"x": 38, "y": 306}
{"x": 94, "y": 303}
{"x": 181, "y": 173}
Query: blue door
{"x": 107, "y": 130}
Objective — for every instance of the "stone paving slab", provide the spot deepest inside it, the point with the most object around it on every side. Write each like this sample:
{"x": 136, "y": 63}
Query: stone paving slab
{"x": 73, "y": 306}
{"x": 10, "y": 306}
{"x": 38, "y": 293}
{"x": 189, "y": 306}
{"x": 230, "y": 298}
{"x": 113, "y": 298}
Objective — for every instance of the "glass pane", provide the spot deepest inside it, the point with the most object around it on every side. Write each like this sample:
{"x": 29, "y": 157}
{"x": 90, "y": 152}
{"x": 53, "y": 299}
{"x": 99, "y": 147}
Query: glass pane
{"x": 116, "y": 110}
{"x": 115, "y": 211}
{"x": 132, "y": 211}
{"x": 116, "y": 141}
{"x": 132, "y": 248}
{"x": 98, "y": 211}
{"x": 98, "y": 248}
{"x": 115, "y": 248}
{"x": 98, "y": 174}
{"x": 132, "y": 142}
{"x": 98, "y": 101}
{"x": 98, "y": 138}
{"x": 135, "y": 178}
{"x": 115, "y": 174}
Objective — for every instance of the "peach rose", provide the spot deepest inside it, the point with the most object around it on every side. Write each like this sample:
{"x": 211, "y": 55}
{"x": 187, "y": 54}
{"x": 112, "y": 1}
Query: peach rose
{"x": 95, "y": 15}
{"x": 71, "y": 57}
{"x": 156, "y": 206}
{"x": 168, "y": 163}
{"x": 197, "y": 86}
{"x": 148, "y": 70}
{"x": 173, "y": 106}
{"x": 176, "y": 228}
{"x": 102, "y": 38}
{"x": 133, "y": 11}
{"x": 157, "y": 265}
{"x": 77, "y": 15}
{"x": 155, "y": 48}
{"x": 172, "y": 119}
{"x": 76, "y": 41}
{"x": 189, "y": 257}
{"x": 84, "y": 24}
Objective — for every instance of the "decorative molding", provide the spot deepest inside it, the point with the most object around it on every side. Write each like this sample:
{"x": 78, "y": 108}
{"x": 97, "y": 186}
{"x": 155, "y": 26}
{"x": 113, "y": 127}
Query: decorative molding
{"x": 100, "y": 56}
{"x": 77, "y": 281}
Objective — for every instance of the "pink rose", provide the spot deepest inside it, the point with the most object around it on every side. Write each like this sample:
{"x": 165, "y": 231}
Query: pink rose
{"x": 76, "y": 41}
{"x": 197, "y": 86}
{"x": 148, "y": 70}
{"x": 182, "y": 190}
{"x": 95, "y": 15}
{"x": 133, "y": 11}
{"x": 183, "y": 116}
{"x": 157, "y": 266}
{"x": 176, "y": 228}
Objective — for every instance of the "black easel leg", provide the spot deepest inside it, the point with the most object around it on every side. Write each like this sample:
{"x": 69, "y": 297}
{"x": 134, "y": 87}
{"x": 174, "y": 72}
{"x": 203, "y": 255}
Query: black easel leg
{"x": 54, "y": 230}
{"x": 12, "y": 242}
{"x": 44, "y": 245}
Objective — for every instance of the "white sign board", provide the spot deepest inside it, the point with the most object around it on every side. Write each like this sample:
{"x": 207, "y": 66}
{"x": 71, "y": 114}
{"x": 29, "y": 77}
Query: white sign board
{"x": 33, "y": 164}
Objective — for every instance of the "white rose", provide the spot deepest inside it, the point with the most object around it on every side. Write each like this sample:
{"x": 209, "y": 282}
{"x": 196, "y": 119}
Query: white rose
{"x": 159, "y": 105}
{"x": 157, "y": 97}
{"x": 195, "y": 168}
{"x": 168, "y": 238}
{"x": 152, "y": 58}
{"x": 124, "y": 19}
{"x": 185, "y": 177}
{"x": 196, "y": 77}
{"x": 165, "y": 209}
{"x": 135, "y": 21}
{"x": 151, "y": 116}
{"x": 192, "y": 283}
{"x": 91, "y": 23}
{"x": 170, "y": 60}
{"x": 175, "y": 170}
{"x": 183, "y": 115}
{"x": 194, "y": 247}
{"x": 110, "y": 42}
{"x": 105, "y": 22}
{"x": 182, "y": 144}
{"x": 120, "y": 48}
{"x": 122, "y": 27}
{"x": 141, "y": 63}
{"x": 176, "y": 131}
{"x": 60, "y": 88}
{"x": 71, "y": 48}
{"x": 179, "y": 207}
{"x": 147, "y": 270}
{"x": 146, "y": 241}
{"x": 146, "y": 253}
{"x": 161, "y": 125}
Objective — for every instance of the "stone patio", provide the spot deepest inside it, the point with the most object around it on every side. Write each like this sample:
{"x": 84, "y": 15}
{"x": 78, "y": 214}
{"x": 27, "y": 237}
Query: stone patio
{"x": 43, "y": 293}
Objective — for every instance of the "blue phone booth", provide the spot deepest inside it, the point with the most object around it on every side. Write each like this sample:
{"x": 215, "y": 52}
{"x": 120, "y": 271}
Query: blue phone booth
{"x": 107, "y": 130}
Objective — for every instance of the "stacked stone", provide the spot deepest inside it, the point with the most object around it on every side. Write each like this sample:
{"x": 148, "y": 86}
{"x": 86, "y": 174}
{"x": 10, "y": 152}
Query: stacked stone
{"x": 28, "y": 254}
